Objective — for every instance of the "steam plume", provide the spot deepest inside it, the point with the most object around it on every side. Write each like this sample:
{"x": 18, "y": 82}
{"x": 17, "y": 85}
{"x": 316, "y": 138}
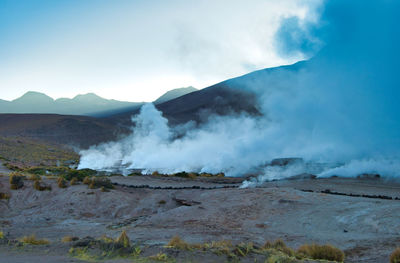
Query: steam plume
{"x": 339, "y": 108}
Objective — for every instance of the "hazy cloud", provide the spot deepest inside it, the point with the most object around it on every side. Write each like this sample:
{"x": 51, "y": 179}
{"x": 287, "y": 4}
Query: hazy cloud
{"x": 135, "y": 50}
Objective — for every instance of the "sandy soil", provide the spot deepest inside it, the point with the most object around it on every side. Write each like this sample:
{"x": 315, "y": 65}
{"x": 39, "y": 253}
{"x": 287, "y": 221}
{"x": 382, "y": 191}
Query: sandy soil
{"x": 4, "y": 170}
{"x": 368, "y": 229}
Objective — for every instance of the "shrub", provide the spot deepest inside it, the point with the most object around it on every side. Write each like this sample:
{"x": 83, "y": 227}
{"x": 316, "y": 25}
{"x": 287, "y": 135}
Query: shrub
{"x": 103, "y": 189}
{"x": 177, "y": 242}
{"x": 155, "y": 173}
{"x": 33, "y": 240}
{"x": 107, "y": 239}
{"x": 104, "y": 248}
{"x": 87, "y": 180}
{"x": 280, "y": 246}
{"x": 326, "y": 252}
{"x": 220, "y": 247}
{"x": 41, "y": 187}
{"x": 181, "y": 174}
{"x": 123, "y": 240}
{"x": 192, "y": 175}
{"x": 34, "y": 177}
{"x": 80, "y": 175}
{"x": 1, "y": 235}
{"x": 61, "y": 182}
{"x": 4, "y": 196}
{"x": 74, "y": 181}
{"x": 36, "y": 171}
{"x": 68, "y": 239}
{"x": 16, "y": 180}
{"x": 162, "y": 202}
{"x": 135, "y": 174}
{"x": 159, "y": 257}
{"x": 243, "y": 249}
{"x": 97, "y": 182}
{"x": 12, "y": 167}
{"x": 185, "y": 175}
{"x": 210, "y": 175}
{"x": 395, "y": 256}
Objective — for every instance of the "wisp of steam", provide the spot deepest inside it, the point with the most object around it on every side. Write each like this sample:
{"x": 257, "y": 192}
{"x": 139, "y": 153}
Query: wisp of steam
{"x": 339, "y": 111}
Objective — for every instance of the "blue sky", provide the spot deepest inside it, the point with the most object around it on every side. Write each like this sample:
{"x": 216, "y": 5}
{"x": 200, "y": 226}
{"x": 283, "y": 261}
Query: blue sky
{"x": 136, "y": 50}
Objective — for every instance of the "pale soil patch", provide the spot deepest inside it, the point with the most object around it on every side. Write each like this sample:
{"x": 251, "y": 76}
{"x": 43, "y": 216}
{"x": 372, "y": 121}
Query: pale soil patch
{"x": 367, "y": 228}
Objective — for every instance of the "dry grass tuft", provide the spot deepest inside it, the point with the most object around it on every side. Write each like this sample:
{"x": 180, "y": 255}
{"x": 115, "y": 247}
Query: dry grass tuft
{"x": 16, "y": 180}
{"x": 98, "y": 182}
{"x": 159, "y": 257}
{"x": 87, "y": 180}
{"x": 177, "y": 242}
{"x": 395, "y": 256}
{"x": 33, "y": 240}
{"x": 243, "y": 249}
{"x": 123, "y": 239}
{"x": 326, "y": 252}
{"x": 280, "y": 246}
{"x": 68, "y": 239}
{"x": 41, "y": 187}
{"x": 34, "y": 177}
{"x": 103, "y": 189}
{"x": 61, "y": 182}
{"x": 107, "y": 239}
{"x": 4, "y": 196}
{"x": 74, "y": 181}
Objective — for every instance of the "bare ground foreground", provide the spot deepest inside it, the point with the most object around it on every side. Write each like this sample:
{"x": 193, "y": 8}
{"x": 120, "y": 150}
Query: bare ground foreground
{"x": 356, "y": 215}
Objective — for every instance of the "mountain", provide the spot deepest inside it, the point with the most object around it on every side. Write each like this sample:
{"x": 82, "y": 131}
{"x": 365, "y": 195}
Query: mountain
{"x": 230, "y": 97}
{"x": 173, "y": 94}
{"x": 169, "y": 95}
{"x": 32, "y": 97}
{"x": 88, "y": 104}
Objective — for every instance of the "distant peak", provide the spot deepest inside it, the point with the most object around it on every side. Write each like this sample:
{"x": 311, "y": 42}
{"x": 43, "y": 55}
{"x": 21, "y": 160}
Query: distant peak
{"x": 88, "y": 96}
{"x": 34, "y": 95}
{"x": 175, "y": 93}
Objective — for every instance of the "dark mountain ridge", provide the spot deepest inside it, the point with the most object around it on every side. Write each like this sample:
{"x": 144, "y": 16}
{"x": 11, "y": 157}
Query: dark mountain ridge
{"x": 230, "y": 97}
{"x": 233, "y": 96}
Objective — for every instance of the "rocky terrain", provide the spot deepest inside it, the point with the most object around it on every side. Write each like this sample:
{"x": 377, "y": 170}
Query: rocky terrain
{"x": 153, "y": 209}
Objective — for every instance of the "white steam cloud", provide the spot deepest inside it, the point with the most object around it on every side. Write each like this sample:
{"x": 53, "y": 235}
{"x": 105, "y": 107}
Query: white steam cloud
{"x": 338, "y": 111}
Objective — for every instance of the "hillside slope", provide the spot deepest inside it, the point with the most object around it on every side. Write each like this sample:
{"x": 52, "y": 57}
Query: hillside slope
{"x": 230, "y": 97}
{"x": 74, "y": 131}
{"x": 173, "y": 94}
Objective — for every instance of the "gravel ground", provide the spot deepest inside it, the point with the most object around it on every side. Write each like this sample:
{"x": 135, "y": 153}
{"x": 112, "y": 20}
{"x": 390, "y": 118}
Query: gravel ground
{"x": 368, "y": 229}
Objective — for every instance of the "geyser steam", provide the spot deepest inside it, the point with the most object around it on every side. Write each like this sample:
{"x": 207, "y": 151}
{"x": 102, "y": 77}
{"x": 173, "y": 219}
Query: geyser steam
{"x": 340, "y": 107}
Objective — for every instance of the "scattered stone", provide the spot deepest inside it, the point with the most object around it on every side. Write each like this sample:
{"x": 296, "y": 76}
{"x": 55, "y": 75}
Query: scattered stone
{"x": 186, "y": 202}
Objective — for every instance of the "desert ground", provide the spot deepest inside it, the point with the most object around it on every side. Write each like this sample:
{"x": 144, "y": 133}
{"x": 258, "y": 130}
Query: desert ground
{"x": 359, "y": 216}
